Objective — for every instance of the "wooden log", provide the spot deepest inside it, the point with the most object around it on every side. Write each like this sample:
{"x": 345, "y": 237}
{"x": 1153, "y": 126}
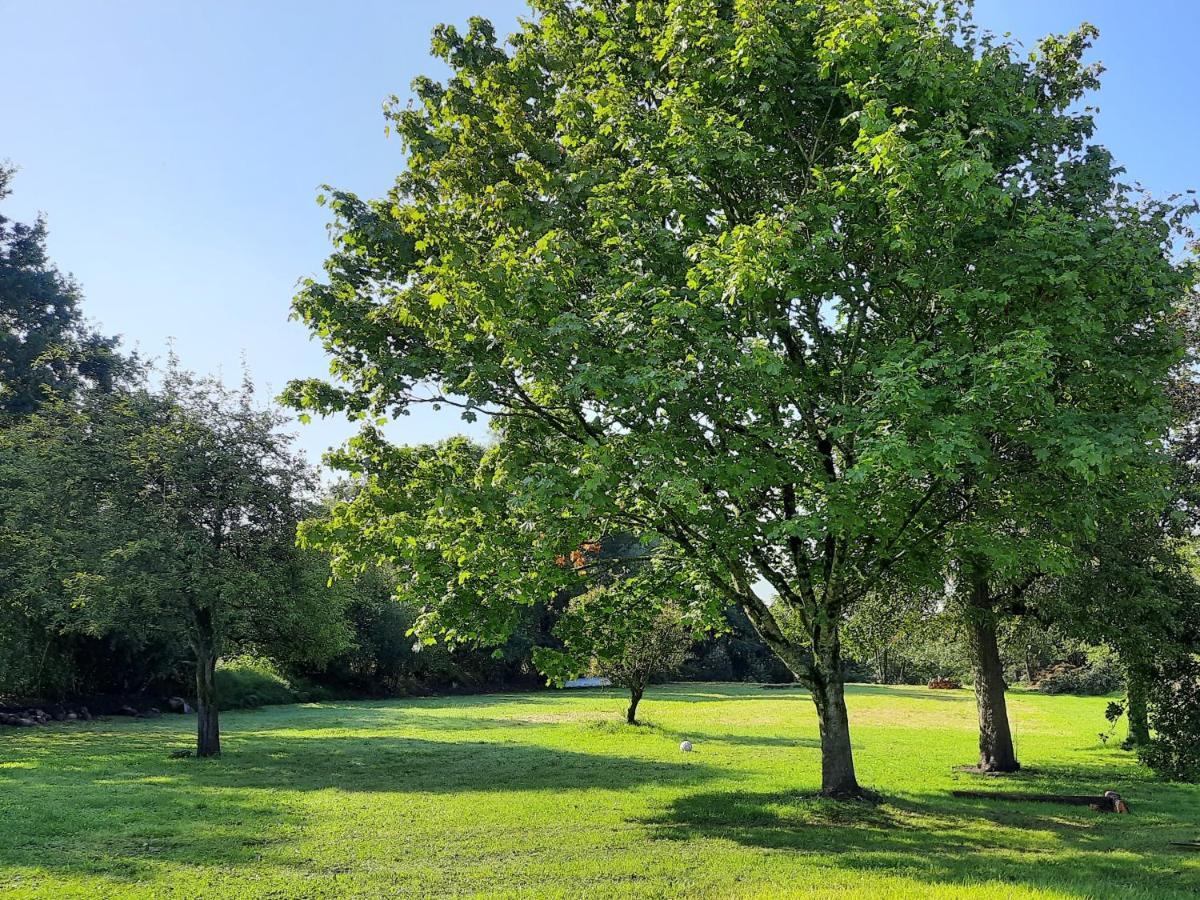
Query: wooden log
{"x": 1110, "y": 801}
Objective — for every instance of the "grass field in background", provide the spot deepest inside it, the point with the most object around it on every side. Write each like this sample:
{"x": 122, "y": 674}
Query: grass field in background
{"x": 551, "y": 794}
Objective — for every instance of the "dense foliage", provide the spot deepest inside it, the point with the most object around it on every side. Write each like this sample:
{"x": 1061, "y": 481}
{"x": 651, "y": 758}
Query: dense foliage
{"x": 734, "y": 652}
{"x": 46, "y": 348}
{"x": 814, "y": 293}
{"x": 1174, "y": 751}
{"x": 163, "y": 520}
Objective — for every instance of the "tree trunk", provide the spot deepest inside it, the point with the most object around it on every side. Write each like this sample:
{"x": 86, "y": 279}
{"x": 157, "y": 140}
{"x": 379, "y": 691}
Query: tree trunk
{"x": 208, "y": 731}
{"x": 635, "y": 697}
{"x": 837, "y": 757}
{"x": 821, "y": 672}
{"x": 829, "y": 696}
{"x": 1135, "y": 710}
{"x": 995, "y": 738}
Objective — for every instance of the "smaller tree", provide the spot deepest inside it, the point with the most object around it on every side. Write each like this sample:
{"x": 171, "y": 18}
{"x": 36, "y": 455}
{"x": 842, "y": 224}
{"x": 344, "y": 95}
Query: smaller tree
{"x": 626, "y": 631}
{"x": 195, "y": 526}
{"x": 444, "y": 519}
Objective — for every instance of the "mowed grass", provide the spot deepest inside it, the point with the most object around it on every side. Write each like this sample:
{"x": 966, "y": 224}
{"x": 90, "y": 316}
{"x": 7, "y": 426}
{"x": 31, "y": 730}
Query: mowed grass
{"x": 550, "y": 794}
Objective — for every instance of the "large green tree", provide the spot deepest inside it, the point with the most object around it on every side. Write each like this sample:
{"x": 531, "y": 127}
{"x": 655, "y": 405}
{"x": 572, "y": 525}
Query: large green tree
{"x": 46, "y": 347}
{"x": 759, "y": 281}
{"x": 49, "y": 356}
{"x": 208, "y": 496}
{"x": 1029, "y": 517}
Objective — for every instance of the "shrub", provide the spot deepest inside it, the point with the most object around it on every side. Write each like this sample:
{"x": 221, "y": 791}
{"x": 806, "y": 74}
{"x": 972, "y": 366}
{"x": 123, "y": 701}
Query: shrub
{"x": 1100, "y": 673}
{"x": 1174, "y": 699}
{"x": 245, "y": 682}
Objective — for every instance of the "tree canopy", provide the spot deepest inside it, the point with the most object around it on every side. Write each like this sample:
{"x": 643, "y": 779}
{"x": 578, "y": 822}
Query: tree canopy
{"x": 784, "y": 286}
{"x": 46, "y": 347}
{"x": 163, "y": 516}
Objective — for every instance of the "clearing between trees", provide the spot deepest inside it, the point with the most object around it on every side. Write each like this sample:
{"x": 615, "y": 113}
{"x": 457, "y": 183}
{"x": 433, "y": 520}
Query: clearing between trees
{"x": 551, "y": 794}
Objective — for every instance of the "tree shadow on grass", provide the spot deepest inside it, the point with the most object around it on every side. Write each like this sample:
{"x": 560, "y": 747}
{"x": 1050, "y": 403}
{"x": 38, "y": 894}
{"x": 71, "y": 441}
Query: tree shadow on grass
{"x": 386, "y": 763}
{"x": 700, "y": 737}
{"x": 1107, "y": 768}
{"x": 720, "y": 693}
{"x": 910, "y": 692}
{"x": 113, "y": 805}
{"x": 701, "y": 692}
{"x": 126, "y": 826}
{"x": 529, "y": 697}
{"x": 325, "y": 719}
{"x": 461, "y": 701}
{"x": 372, "y": 762}
{"x": 956, "y": 841}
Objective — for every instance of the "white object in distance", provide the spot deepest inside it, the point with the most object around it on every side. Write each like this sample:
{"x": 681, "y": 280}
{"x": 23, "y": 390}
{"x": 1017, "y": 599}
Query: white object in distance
{"x": 686, "y": 746}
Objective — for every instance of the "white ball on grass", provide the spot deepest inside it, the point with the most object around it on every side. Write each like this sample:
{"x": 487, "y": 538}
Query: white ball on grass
{"x": 686, "y": 746}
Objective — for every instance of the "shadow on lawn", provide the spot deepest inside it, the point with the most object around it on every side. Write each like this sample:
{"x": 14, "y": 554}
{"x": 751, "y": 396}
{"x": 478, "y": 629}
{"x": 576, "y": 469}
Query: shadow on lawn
{"x": 119, "y": 807}
{"x": 952, "y": 841}
{"x": 383, "y": 763}
{"x": 125, "y": 824}
{"x": 911, "y": 692}
{"x": 305, "y": 721}
{"x": 701, "y": 692}
{"x": 700, "y": 738}
{"x": 386, "y": 763}
{"x": 478, "y": 701}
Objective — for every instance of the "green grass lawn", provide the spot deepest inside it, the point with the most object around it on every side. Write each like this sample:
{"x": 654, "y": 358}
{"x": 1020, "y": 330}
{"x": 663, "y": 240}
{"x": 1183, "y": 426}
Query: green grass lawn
{"x": 550, "y": 794}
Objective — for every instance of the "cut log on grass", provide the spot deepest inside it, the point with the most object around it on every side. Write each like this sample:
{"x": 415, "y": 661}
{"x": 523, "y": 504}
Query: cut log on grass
{"x": 1186, "y": 845}
{"x": 1110, "y": 801}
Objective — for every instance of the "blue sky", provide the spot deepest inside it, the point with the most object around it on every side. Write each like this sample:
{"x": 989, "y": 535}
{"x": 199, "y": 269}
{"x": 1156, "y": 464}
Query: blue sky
{"x": 177, "y": 148}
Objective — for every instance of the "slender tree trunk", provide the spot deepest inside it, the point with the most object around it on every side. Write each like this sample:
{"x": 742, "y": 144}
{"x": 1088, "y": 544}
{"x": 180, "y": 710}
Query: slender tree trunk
{"x": 1135, "y": 709}
{"x": 635, "y": 697}
{"x": 996, "y": 752}
{"x": 208, "y": 730}
{"x": 41, "y": 669}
